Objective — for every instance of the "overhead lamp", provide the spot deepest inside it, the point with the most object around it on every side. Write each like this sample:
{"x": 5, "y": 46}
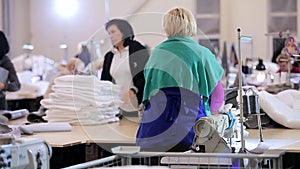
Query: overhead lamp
{"x": 28, "y": 47}
{"x": 65, "y": 57}
{"x": 66, "y": 8}
{"x": 63, "y": 46}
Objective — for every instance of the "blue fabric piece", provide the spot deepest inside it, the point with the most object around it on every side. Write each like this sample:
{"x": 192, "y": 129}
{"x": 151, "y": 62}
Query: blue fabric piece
{"x": 169, "y": 118}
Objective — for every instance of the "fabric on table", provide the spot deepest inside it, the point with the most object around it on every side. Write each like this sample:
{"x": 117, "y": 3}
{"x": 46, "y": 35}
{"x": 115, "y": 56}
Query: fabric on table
{"x": 80, "y": 99}
{"x": 280, "y": 107}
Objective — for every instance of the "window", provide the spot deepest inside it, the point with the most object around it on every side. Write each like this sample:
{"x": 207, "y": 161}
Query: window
{"x": 208, "y": 22}
{"x": 208, "y": 16}
{"x": 282, "y": 19}
{"x": 282, "y": 16}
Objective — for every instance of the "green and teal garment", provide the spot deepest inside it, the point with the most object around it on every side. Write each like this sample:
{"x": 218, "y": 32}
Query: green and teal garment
{"x": 182, "y": 62}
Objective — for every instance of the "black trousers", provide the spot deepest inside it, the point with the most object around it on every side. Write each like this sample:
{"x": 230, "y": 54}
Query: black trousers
{"x": 3, "y": 103}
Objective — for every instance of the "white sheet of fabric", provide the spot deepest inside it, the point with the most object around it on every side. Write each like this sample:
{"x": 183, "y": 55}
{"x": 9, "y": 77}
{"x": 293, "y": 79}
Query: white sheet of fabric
{"x": 48, "y": 103}
{"x": 53, "y": 126}
{"x": 296, "y": 105}
{"x": 83, "y": 112}
{"x": 89, "y": 122}
{"x": 79, "y": 118}
{"x": 82, "y": 100}
{"x": 281, "y": 107}
{"x": 89, "y": 82}
{"x": 89, "y": 87}
{"x": 78, "y": 97}
{"x": 83, "y": 80}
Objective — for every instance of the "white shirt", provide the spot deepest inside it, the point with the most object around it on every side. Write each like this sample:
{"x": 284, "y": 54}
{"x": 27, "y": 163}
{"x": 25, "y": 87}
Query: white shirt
{"x": 121, "y": 73}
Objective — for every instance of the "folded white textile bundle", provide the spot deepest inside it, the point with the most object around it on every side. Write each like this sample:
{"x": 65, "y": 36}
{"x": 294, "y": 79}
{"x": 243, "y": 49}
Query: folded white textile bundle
{"x": 81, "y": 79}
{"x": 85, "y": 100}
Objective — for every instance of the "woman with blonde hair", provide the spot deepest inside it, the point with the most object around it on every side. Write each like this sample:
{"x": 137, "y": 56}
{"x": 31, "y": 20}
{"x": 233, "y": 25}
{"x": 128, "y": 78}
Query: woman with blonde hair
{"x": 182, "y": 85}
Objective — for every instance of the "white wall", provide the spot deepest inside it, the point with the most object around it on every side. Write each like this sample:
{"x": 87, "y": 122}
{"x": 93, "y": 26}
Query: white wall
{"x": 251, "y": 17}
{"x": 146, "y": 17}
{"x": 48, "y": 30}
{"x": 19, "y": 27}
{"x": 1, "y": 26}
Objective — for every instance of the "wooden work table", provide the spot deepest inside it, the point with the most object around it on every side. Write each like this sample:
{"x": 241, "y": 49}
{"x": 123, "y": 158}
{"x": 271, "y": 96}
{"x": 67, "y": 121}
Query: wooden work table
{"x": 122, "y": 132}
{"x": 78, "y": 145}
{"x": 277, "y": 138}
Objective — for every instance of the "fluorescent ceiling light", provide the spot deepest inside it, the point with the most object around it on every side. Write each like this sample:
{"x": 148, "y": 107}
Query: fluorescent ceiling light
{"x": 63, "y": 46}
{"x": 28, "y": 46}
{"x": 66, "y": 8}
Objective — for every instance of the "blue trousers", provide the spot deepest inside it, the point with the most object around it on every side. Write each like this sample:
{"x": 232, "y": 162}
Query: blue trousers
{"x": 168, "y": 120}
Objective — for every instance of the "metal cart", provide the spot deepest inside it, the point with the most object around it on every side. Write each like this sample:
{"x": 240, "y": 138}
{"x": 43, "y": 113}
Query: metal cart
{"x": 131, "y": 156}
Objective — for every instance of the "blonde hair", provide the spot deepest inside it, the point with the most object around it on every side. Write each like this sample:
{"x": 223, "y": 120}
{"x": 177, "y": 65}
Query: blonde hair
{"x": 179, "y": 22}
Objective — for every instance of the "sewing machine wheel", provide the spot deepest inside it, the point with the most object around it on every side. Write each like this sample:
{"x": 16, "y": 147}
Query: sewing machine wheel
{"x": 203, "y": 129}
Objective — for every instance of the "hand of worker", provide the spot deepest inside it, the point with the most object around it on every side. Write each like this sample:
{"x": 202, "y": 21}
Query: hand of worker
{"x": 127, "y": 96}
{"x": 2, "y": 85}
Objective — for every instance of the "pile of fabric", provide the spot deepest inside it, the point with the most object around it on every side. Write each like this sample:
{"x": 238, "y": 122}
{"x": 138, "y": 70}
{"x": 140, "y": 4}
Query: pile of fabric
{"x": 82, "y": 100}
{"x": 282, "y": 107}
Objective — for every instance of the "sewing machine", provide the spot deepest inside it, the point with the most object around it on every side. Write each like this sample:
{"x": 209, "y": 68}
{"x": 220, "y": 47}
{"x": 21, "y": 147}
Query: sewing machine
{"x": 24, "y": 153}
{"x": 210, "y": 132}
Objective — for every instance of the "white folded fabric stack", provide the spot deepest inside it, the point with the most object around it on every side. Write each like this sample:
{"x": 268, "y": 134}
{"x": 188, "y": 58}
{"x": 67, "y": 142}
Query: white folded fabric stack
{"x": 82, "y": 100}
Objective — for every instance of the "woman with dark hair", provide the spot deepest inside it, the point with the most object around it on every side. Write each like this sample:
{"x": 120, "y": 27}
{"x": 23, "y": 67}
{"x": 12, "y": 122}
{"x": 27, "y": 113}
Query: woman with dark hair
{"x": 124, "y": 64}
{"x": 11, "y": 82}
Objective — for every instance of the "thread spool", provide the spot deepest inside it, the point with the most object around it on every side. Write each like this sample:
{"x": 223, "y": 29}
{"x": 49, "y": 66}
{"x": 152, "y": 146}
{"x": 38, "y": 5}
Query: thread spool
{"x": 250, "y": 104}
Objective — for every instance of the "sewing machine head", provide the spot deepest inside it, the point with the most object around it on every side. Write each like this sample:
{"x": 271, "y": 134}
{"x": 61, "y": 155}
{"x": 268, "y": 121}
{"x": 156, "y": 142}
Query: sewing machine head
{"x": 24, "y": 153}
{"x": 209, "y": 133}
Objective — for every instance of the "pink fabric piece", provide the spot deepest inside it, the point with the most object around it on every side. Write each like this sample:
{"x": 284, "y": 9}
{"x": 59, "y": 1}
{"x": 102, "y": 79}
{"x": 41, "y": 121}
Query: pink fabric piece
{"x": 216, "y": 98}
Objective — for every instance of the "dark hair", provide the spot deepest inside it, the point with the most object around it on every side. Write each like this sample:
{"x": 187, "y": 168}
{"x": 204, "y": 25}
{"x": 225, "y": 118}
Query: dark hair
{"x": 4, "y": 47}
{"x": 124, "y": 27}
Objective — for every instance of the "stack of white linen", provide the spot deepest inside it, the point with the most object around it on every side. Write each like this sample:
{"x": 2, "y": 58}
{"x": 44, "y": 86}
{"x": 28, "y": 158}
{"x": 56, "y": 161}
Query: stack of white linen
{"x": 82, "y": 100}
